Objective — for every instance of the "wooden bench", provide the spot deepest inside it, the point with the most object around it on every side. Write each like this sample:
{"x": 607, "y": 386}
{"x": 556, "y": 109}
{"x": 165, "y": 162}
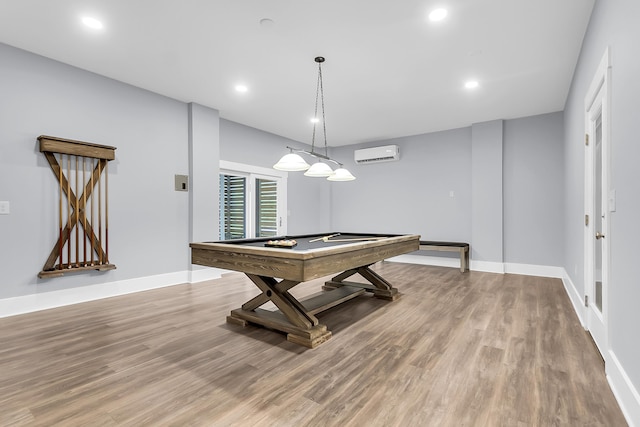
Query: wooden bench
{"x": 462, "y": 248}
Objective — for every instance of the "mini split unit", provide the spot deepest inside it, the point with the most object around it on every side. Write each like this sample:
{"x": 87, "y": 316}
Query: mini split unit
{"x": 387, "y": 153}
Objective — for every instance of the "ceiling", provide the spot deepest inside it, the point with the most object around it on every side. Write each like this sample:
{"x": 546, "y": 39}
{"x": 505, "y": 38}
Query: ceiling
{"x": 389, "y": 71}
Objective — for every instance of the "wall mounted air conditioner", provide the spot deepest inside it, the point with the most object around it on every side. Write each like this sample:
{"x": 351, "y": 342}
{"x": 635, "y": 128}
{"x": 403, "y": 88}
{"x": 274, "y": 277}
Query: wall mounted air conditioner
{"x": 387, "y": 153}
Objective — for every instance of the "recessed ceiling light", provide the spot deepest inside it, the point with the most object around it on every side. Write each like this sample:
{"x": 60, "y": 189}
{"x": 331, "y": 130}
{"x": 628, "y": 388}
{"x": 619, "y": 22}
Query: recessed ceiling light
{"x": 92, "y": 22}
{"x": 438, "y": 15}
{"x": 241, "y": 88}
{"x": 314, "y": 120}
{"x": 471, "y": 84}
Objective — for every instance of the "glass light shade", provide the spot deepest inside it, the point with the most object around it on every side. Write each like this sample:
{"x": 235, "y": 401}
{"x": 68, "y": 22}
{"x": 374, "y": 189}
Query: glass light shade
{"x": 291, "y": 163}
{"x": 341, "y": 174}
{"x": 319, "y": 169}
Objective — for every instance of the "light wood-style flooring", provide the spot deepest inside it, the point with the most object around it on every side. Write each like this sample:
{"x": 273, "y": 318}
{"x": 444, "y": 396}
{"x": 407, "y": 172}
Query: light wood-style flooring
{"x": 472, "y": 349}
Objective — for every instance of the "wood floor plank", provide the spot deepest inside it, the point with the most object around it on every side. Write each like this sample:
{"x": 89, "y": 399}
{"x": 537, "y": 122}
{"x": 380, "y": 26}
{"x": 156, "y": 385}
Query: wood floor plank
{"x": 475, "y": 349}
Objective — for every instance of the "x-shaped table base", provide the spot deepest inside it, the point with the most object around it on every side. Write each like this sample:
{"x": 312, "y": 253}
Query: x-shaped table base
{"x": 296, "y": 317}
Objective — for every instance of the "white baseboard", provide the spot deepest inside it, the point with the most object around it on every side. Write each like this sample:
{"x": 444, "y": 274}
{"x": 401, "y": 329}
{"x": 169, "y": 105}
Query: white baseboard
{"x": 202, "y": 274}
{"x": 576, "y": 298}
{"x": 623, "y": 389}
{"x": 46, "y": 300}
{"x": 485, "y": 266}
{"x": 534, "y": 270}
{"x": 626, "y": 394}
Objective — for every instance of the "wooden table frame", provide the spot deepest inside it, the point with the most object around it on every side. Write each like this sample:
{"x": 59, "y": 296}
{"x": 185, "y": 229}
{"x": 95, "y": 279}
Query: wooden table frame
{"x": 296, "y": 317}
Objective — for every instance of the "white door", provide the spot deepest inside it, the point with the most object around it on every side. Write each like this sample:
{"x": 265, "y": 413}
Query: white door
{"x": 598, "y": 205}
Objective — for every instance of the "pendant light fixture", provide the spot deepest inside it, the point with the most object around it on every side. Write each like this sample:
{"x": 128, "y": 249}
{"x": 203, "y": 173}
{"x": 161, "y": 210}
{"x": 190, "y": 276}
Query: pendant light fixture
{"x": 319, "y": 169}
{"x": 341, "y": 174}
{"x": 291, "y": 162}
{"x": 294, "y": 162}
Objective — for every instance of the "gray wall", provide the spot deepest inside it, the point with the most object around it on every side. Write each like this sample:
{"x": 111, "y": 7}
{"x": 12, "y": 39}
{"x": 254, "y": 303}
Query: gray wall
{"x": 204, "y": 157}
{"x": 413, "y": 194}
{"x": 533, "y": 190}
{"x": 486, "y": 191}
{"x": 614, "y": 24}
{"x": 155, "y": 139}
{"x": 148, "y": 226}
{"x": 308, "y": 198}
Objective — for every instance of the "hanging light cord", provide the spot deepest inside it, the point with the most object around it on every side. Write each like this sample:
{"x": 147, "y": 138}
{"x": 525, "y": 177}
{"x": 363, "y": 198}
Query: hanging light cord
{"x": 324, "y": 125}
{"x": 319, "y": 94}
{"x": 318, "y": 169}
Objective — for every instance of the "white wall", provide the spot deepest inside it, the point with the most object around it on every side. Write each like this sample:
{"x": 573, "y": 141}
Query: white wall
{"x": 614, "y": 24}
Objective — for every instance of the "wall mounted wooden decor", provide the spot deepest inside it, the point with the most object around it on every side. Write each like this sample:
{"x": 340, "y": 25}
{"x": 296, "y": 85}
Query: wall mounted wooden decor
{"x": 80, "y": 246}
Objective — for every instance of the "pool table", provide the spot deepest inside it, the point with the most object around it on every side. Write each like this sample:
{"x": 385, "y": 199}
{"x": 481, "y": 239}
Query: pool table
{"x": 275, "y": 270}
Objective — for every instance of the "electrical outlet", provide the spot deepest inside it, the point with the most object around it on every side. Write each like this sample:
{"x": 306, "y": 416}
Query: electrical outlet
{"x": 182, "y": 183}
{"x": 5, "y": 208}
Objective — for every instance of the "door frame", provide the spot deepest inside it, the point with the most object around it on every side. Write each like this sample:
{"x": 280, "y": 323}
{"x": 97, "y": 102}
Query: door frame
{"x": 597, "y": 104}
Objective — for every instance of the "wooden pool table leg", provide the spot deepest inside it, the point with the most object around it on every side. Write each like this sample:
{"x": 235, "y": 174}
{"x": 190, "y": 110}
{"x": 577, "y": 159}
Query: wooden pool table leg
{"x": 301, "y": 326}
{"x": 278, "y": 293}
{"x": 379, "y": 286}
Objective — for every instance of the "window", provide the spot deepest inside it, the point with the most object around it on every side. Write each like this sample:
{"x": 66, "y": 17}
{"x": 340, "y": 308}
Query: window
{"x": 233, "y": 224}
{"x": 252, "y": 201}
{"x": 266, "y": 208}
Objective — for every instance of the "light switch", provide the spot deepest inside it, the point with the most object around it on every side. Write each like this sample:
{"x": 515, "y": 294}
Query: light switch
{"x": 5, "y": 208}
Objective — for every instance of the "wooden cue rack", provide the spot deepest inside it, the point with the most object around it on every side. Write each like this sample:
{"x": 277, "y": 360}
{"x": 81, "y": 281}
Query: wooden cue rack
{"x": 83, "y": 205}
